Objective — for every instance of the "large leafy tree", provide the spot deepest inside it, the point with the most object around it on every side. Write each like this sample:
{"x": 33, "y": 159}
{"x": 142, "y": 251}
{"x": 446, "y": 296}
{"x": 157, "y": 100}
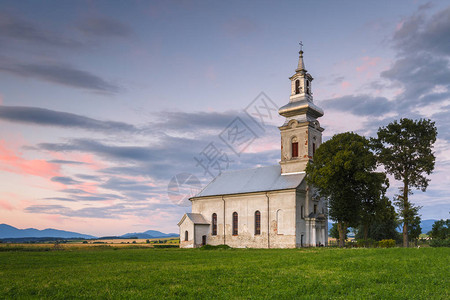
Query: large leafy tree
{"x": 383, "y": 224}
{"x": 372, "y": 203}
{"x": 405, "y": 150}
{"x": 343, "y": 172}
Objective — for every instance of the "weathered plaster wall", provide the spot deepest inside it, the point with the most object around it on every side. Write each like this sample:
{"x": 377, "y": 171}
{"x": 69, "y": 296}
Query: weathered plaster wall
{"x": 280, "y": 215}
{"x": 188, "y": 226}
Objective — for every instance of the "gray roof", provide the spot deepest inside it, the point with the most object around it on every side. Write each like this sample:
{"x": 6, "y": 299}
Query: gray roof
{"x": 197, "y": 218}
{"x": 262, "y": 179}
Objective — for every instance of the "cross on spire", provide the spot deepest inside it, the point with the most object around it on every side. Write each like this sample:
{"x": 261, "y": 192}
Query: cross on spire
{"x": 301, "y": 45}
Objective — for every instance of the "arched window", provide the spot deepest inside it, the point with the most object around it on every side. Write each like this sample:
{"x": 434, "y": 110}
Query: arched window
{"x": 280, "y": 228}
{"x": 308, "y": 89}
{"x": 235, "y": 223}
{"x": 214, "y": 224}
{"x": 297, "y": 86}
{"x": 257, "y": 222}
{"x": 314, "y": 148}
{"x": 294, "y": 146}
{"x": 186, "y": 235}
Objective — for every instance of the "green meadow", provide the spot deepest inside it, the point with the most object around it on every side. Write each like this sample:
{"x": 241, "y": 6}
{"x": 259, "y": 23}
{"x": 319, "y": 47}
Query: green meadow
{"x": 325, "y": 273}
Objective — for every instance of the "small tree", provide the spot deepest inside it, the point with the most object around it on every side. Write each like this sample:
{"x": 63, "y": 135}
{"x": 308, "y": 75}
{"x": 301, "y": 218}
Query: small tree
{"x": 343, "y": 172}
{"x": 334, "y": 232}
{"x": 405, "y": 150}
{"x": 441, "y": 230}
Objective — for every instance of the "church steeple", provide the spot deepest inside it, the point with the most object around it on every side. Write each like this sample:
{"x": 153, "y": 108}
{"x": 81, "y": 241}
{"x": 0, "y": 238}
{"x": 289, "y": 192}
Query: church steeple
{"x": 301, "y": 64}
{"x": 301, "y": 133}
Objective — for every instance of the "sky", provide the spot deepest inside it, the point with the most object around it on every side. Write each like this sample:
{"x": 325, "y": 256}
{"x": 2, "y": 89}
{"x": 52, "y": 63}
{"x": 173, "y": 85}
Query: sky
{"x": 113, "y": 112}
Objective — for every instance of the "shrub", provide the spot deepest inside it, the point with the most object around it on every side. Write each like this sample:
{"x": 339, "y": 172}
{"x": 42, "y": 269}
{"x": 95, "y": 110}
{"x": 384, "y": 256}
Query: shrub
{"x": 440, "y": 243}
{"x": 165, "y": 246}
{"x": 386, "y": 243}
{"x": 369, "y": 243}
{"x": 218, "y": 247}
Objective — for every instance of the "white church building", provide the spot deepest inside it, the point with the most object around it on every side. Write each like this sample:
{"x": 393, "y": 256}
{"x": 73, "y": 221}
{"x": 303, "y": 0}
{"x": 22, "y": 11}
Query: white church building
{"x": 267, "y": 207}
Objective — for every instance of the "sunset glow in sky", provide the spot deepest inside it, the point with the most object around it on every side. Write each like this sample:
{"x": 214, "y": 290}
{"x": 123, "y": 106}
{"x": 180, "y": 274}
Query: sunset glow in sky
{"x": 102, "y": 103}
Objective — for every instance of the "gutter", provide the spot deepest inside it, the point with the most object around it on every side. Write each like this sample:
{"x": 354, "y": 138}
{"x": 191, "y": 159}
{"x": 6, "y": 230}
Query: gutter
{"x": 223, "y": 220}
{"x": 268, "y": 221}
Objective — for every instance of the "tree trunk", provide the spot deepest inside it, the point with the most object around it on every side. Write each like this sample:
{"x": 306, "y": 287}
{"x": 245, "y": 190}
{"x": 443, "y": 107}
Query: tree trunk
{"x": 366, "y": 231}
{"x": 342, "y": 230}
{"x": 405, "y": 214}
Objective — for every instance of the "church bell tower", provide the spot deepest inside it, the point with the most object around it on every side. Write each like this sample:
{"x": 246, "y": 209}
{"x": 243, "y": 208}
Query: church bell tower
{"x": 301, "y": 133}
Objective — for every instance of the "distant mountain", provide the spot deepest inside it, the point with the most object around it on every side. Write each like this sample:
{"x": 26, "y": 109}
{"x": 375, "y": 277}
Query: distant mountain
{"x": 149, "y": 234}
{"x": 426, "y": 225}
{"x": 7, "y": 231}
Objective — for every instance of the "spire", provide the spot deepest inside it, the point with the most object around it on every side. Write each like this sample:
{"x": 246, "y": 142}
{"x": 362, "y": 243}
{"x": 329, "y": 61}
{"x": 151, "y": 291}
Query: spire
{"x": 301, "y": 64}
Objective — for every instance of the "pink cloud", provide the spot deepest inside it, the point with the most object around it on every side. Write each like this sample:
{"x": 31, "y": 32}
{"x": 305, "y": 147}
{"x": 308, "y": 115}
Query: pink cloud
{"x": 368, "y": 62}
{"x": 12, "y": 162}
{"x": 345, "y": 84}
{"x": 4, "y": 204}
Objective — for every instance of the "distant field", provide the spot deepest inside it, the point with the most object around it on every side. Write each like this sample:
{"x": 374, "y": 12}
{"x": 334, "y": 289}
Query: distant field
{"x": 100, "y": 272}
{"x": 71, "y": 244}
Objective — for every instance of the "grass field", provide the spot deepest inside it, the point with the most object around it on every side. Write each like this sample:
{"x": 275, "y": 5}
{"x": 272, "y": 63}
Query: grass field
{"x": 92, "y": 272}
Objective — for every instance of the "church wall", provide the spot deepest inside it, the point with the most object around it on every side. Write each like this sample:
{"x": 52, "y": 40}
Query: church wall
{"x": 208, "y": 206}
{"x": 199, "y": 231}
{"x": 281, "y": 204}
{"x": 189, "y": 226}
{"x": 282, "y": 232}
{"x": 300, "y": 226}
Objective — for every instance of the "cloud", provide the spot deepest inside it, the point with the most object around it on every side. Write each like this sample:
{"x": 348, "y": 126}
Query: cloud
{"x": 104, "y": 27}
{"x": 59, "y": 73}
{"x": 116, "y": 211}
{"x": 65, "y": 180}
{"x": 418, "y": 33}
{"x": 47, "y": 117}
{"x": 14, "y": 163}
{"x": 14, "y": 28}
{"x": 65, "y": 162}
{"x": 363, "y": 105}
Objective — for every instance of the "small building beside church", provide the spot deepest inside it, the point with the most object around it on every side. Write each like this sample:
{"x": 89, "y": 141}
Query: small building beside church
{"x": 267, "y": 207}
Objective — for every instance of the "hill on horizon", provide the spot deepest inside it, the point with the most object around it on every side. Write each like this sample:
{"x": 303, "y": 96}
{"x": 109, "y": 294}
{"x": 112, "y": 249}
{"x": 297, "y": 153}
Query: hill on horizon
{"x": 11, "y": 232}
{"x": 8, "y": 231}
{"x": 149, "y": 234}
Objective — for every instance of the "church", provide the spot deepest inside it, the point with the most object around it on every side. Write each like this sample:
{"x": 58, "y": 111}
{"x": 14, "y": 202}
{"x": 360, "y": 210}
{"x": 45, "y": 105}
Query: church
{"x": 267, "y": 207}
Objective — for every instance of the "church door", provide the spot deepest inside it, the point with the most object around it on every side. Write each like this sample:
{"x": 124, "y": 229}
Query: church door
{"x": 203, "y": 240}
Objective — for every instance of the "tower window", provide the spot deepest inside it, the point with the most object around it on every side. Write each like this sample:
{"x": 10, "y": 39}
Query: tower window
{"x": 257, "y": 222}
{"x": 302, "y": 212}
{"x": 294, "y": 149}
{"x": 308, "y": 89}
{"x": 314, "y": 148}
{"x": 214, "y": 224}
{"x": 315, "y": 208}
{"x": 297, "y": 86}
{"x": 235, "y": 223}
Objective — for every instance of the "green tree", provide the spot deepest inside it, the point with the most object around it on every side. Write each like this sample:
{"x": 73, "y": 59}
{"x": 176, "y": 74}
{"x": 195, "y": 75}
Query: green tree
{"x": 343, "y": 173}
{"x": 405, "y": 150}
{"x": 414, "y": 229}
{"x": 334, "y": 232}
{"x": 384, "y": 224}
{"x": 372, "y": 203}
{"x": 441, "y": 230}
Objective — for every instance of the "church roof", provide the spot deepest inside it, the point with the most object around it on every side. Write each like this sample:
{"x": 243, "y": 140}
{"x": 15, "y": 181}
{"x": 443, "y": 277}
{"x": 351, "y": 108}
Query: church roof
{"x": 262, "y": 179}
{"x": 195, "y": 218}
